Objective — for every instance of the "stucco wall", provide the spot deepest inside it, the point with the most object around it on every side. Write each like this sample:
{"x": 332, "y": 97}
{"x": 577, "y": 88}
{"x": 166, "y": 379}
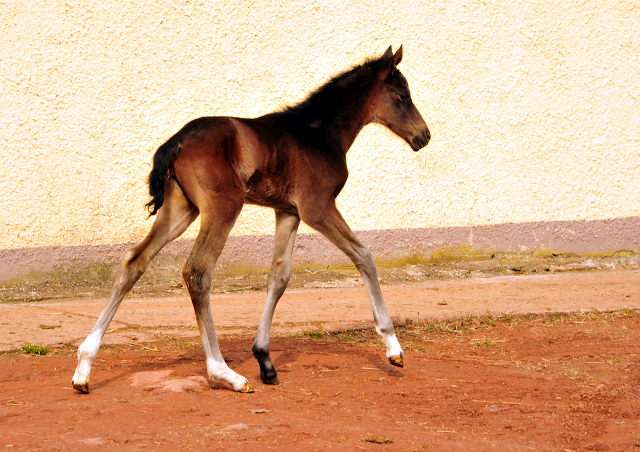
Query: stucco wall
{"x": 534, "y": 107}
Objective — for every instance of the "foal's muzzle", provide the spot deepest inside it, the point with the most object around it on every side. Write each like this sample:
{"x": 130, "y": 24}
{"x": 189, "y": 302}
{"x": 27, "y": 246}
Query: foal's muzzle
{"x": 421, "y": 140}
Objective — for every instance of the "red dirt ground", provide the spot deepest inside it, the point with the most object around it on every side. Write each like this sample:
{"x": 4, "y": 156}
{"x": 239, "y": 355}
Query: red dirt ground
{"x": 493, "y": 382}
{"x": 559, "y": 382}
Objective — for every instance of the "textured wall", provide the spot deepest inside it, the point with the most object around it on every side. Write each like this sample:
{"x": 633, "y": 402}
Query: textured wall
{"x": 534, "y": 107}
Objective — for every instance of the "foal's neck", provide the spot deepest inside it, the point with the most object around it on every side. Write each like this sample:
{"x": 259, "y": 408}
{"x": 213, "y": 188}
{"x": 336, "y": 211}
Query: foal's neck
{"x": 350, "y": 120}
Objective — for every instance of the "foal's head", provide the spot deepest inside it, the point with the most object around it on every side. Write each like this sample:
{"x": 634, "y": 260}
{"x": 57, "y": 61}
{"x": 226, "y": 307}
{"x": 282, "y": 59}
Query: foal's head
{"x": 393, "y": 106}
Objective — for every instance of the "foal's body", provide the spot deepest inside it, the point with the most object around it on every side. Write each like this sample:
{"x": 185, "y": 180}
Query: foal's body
{"x": 292, "y": 161}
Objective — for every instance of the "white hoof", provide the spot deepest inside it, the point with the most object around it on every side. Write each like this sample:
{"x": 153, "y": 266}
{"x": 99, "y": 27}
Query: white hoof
{"x": 396, "y": 360}
{"x": 220, "y": 372}
{"x": 80, "y": 383}
{"x": 246, "y": 387}
{"x": 239, "y": 384}
{"x": 80, "y": 380}
{"x": 86, "y": 354}
{"x": 394, "y": 351}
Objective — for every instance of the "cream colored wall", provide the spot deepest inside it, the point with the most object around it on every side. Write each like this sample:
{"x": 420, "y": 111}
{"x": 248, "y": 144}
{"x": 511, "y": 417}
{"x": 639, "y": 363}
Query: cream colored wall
{"x": 534, "y": 106}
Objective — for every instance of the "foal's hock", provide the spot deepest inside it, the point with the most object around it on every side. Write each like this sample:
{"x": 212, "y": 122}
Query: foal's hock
{"x": 293, "y": 161}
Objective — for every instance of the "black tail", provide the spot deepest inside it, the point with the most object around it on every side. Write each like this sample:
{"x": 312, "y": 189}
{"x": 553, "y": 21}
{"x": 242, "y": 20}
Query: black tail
{"x": 162, "y": 163}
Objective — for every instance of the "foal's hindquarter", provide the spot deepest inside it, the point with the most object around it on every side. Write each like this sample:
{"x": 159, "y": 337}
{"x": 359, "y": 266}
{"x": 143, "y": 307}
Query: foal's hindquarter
{"x": 223, "y": 163}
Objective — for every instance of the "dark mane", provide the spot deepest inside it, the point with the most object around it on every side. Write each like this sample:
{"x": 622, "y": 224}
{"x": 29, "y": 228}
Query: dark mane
{"x": 326, "y": 100}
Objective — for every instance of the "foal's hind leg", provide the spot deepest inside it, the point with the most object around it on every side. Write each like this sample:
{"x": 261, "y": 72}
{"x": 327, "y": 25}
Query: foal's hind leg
{"x": 286, "y": 228}
{"x": 175, "y": 215}
{"x": 217, "y": 220}
{"x": 330, "y": 223}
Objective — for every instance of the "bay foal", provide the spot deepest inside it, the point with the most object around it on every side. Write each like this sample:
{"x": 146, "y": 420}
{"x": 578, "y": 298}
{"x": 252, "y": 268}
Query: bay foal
{"x": 293, "y": 161}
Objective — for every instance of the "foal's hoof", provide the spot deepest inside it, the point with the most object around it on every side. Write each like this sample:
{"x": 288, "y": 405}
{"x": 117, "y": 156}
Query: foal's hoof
{"x": 396, "y": 360}
{"x": 81, "y": 387}
{"x": 271, "y": 381}
{"x": 269, "y": 376}
{"x": 246, "y": 388}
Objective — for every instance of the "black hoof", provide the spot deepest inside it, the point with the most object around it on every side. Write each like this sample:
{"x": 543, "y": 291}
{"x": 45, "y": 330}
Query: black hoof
{"x": 268, "y": 373}
{"x": 270, "y": 380}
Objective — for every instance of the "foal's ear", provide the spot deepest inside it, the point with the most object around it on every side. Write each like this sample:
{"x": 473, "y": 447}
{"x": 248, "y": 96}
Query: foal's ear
{"x": 397, "y": 58}
{"x": 387, "y": 63}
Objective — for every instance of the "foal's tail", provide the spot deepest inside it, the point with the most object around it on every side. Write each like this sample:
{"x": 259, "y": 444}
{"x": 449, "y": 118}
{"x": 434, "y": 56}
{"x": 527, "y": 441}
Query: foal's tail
{"x": 162, "y": 163}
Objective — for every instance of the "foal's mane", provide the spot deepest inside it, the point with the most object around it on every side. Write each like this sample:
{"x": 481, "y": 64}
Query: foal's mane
{"x": 324, "y": 102}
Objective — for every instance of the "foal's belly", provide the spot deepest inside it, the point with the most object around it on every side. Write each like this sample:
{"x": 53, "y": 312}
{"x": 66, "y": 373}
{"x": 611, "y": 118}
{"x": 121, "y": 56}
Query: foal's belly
{"x": 270, "y": 198}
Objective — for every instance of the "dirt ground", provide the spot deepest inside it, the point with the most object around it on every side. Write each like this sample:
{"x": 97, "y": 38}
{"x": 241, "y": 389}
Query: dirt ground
{"x": 480, "y": 373}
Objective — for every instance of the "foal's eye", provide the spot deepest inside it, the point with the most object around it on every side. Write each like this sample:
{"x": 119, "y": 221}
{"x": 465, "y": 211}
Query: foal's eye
{"x": 403, "y": 97}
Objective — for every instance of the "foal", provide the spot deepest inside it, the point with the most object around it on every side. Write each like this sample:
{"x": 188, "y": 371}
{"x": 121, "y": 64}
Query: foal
{"x": 293, "y": 161}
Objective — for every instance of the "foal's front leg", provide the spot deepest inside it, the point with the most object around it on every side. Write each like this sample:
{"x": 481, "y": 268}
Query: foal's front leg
{"x": 286, "y": 228}
{"x": 330, "y": 223}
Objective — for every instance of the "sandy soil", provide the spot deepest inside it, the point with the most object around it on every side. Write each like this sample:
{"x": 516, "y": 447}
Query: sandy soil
{"x": 500, "y": 380}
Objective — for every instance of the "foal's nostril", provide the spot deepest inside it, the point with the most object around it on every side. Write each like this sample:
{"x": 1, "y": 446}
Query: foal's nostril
{"x": 420, "y": 140}
{"x": 427, "y": 136}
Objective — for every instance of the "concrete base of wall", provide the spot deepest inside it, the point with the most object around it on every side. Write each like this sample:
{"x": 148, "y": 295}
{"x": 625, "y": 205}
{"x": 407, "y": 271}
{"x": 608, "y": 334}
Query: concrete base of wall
{"x": 571, "y": 236}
